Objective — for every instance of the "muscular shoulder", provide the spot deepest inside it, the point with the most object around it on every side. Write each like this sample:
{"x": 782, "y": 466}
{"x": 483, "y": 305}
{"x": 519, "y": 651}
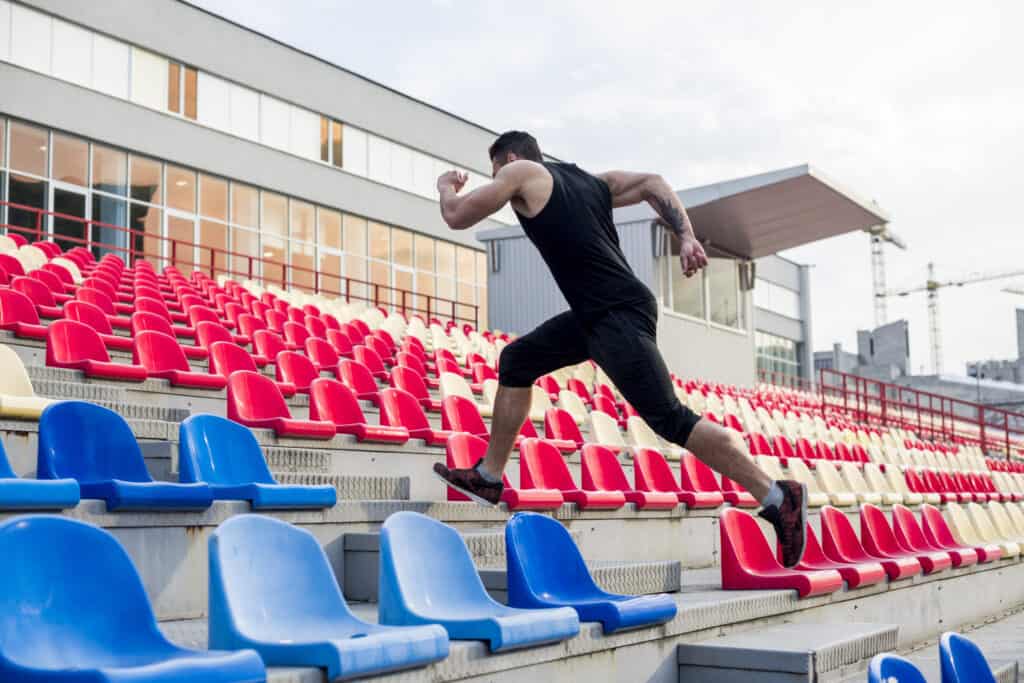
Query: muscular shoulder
{"x": 532, "y": 184}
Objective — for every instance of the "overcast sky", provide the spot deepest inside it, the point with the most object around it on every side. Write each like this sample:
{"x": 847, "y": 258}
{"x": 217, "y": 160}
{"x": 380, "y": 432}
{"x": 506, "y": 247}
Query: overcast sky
{"x": 918, "y": 105}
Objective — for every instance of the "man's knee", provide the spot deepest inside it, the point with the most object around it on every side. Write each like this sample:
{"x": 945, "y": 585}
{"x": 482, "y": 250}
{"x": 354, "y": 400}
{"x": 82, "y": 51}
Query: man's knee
{"x": 674, "y": 423}
{"x": 514, "y": 366}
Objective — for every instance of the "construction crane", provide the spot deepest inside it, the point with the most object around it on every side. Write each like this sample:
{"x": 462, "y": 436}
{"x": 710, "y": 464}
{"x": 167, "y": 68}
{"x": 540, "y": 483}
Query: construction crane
{"x": 880, "y": 236}
{"x": 932, "y": 287}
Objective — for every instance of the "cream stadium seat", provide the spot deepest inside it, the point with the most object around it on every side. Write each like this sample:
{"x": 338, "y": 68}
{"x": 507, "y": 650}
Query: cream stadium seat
{"x": 572, "y": 404}
{"x": 967, "y": 534}
{"x": 489, "y": 389}
{"x": 604, "y": 430}
{"x": 815, "y": 495}
{"x": 18, "y": 399}
{"x": 697, "y": 402}
{"x": 982, "y": 523}
{"x": 456, "y": 385}
{"x": 540, "y": 402}
{"x": 876, "y": 454}
{"x": 1016, "y": 516}
{"x": 585, "y": 373}
{"x": 854, "y": 481}
{"x": 714, "y": 404}
{"x": 7, "y": 245}
{"x": 877, "y": 481}
{"x": 642, "y": 435}
{"x": 1003, "y": 523}
{"x": 71, "y": 267}
{"x": 831, "y": 483}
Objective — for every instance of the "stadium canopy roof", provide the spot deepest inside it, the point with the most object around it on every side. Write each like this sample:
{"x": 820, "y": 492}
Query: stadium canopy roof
{"x": 762, "y": 214}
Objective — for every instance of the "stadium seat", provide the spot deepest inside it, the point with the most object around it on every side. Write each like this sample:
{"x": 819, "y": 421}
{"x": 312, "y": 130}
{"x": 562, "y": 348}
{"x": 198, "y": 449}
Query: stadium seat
{"x": 911, "y": 536}
{"x": 853, "y": 480}
{"x": 407, "y": 379}
{"x": 295, "y": 369}
{"x": 799, "y": 471}
{"x": 295, "y": 334}
{"x": 605, "y": 431}
{"x": 855, "y": 575}
{"x": 273, "y": 590}
{"x": 957, "y": 532}
{"x": 459, "y": 415}
{"x": 94, "y": 614}
{"x": 341, "y": 343}
{"x": 465, "y": 450}
{"x": 357, "y": 378}
{"x": 840, "y": 543}
{"x": 226, "y": 457}
{"x": 332, "y": 401}
{"x": 984, "y": 527}
{"x": 541, "y": 465}
{"x": 573, "y": 404}
{"x": 91, "y": 315}
{"x": 370, "y": 360}
{"x": 832, "y": 484}
{"x": 962, "y": 661}
{"x": 152, "y": 304}
{"x": 880, "y": 540}
{"x": 886, "y": 667}
{"x": 255, "y": 401}
{"x": 68, "y": 265}
{"x": 428, "y": 577}
{"x": 876, "y": 481}
{"x": 227, "y": 357}
{"x": 651, "y": 472}
{"x": 207, "y": 334}
{"x": 540, "y": 403}
{"x": 18, "y": 399}
{"x": 644, "y": 437}
{"x": 11, "y": 265}
{"x": 696, "y": 477}
{"x": 606, "y": 405}
{"x": 73, "y": 345}
{"x": 96, "y": 447}
{"x": 897, "y": 482}
{"x": 736, "y": 495}
{"x": 601, "y": 471}
{"x": 748, "y": 562}
{"x": 100, "y": 299}
{"x": 546, "y": 569}
{"x": 39, "y": 294}
{"x": 34, "y": 494}
{"x": 559, "y": 425}
{"x": 322, "y": 355}
{"x": 452, "y": 384}
{"x": 1002, "y": 522}
{"x": 18, "y": 315}
{"x": 163, "y": 358}
{"x": 401, "y": 409}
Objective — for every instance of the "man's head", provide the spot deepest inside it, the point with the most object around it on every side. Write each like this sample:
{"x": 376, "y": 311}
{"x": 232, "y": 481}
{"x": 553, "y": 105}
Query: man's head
{"x": 513, "y": 145}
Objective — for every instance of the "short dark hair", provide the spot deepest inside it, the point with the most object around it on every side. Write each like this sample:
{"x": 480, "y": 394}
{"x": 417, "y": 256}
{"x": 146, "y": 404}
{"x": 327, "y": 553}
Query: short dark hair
{"x": 517, "y": 142}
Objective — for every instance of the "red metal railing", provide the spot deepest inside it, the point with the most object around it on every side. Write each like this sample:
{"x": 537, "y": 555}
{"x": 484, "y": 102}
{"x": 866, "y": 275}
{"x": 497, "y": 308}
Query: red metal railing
{"x": 188, "y": 256}
{"x": 930, "y": 415}
{"x": 784, "y": 379}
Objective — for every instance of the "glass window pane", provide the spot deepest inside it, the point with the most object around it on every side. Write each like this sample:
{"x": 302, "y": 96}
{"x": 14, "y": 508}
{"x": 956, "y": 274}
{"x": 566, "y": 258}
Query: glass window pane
{"x": 3, "y": 147}
{"x": 113, "y": 214}
{"x": 181, "y": 249}
{"x": 303, "y": 269}
{"x": 403, "y": 283}
{"x": 274, "y": 258}
{"x": 446, "y": 259}
{"x": 445, "y": 288}
{"x": 109, "y": 170}
{"x": 28, "y": 149}
{"x": 401, "y": 247}
{"x": 145, "y": 223}
{"x": 425, "y": 290}
{"x": 213, "y": 240}
{"x": 190, "y": 92}
{"x": 274, "y": 216}
{"x": 70, "y": 160}
{"x": 330, "y": 270}
{"x": 325, "y": 142}
{"x": 72, "y": 223}
{"x": 723, "y": 291}
{"x": 245, "y": 205}
{"x": 424, "y": 253}
{"x": 30, "y": 192}
{"x": 329, "y": 228}
{"x": 380, "y": 274}
{"x": 181, "y": 188}
{"x": 245, "y": 253}
{"x": 337, "y": 151}
{"x": 213, "y": 197}
{"x": 146, "y": 182}
{"x": 303, "y": 223}
{"x": 481, "y": 299}
{"x": 355, "y": 270}
{"x": 174, "y": 87}
{"x": 466, "y": 264}
{"x": 687, "y": 293}
{"x": 379, "y": 241}
{"x": 481, "y": 267}
{"x": 354, "y": 235}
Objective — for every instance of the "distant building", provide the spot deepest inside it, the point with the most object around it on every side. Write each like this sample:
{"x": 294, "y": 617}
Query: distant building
{"x": 882, "y": 353}
{"x": 1003, "y": 370}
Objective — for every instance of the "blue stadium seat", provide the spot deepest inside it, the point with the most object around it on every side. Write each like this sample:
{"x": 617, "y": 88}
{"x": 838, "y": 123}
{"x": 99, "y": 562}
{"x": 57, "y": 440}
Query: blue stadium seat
{"x": 427, "y": 576}
{"x": 272, "y": 589}
{"x": 546, "y": 569}
{"x": 962, "y": 661}
{"x": 886, "y": 667}
{"x": 226, "y": 456}
{"x": 73, "y": 609}
{"x": 33, "y": 494}
{"x": 96, "y": 446}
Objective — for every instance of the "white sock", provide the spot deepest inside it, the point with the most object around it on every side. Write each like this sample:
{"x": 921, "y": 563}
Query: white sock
{"x": 490, "y": 478}
{"x": 774, "y": 497}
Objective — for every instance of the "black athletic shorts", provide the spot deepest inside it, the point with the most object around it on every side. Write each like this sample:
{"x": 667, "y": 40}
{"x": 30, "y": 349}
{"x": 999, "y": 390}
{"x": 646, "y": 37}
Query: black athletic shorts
{"x": 623, "y": 342}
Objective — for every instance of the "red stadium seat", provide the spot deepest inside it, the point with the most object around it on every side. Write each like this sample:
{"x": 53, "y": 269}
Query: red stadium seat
{"x": 330, "y": 322}
{"x": 357, "y": 378}
{"x": 460, "y": 415}
{"x": 18, "y": 315}
{"x": 209, "y": 332}
{"x": 17, "y": 239}
{"x": 96, "y": 297}
{"x": 275, "y": 321}
{"x": 580, "y": 389}
{"x": 332, "y": 401}
{"x": 142, "y": 321}
{"x": 227, "y": 357}
{"x": 295, "y": 314}
{"x": 150, "y": 304}
{"x": 938, "y": 533}
{"x": 380, "y": 347}
{"x": 736, "y": 495}
{"x": 92, "y": 316}
{"x": 880, "y": 540}
{"x": 607, "y": 406}
{"x": 550, "y": 385}
{"x": 294, "y": 368}
{"x": 465, "y": 450}
{"x": 698, "y": 478}
{"x": 255, "y": 401}
{"x": 840, "y": 543}
{"x": 248, "y": 324}
{"x": 74, "y": 345}
{"x": 602, "y": 472}
{"x": 11, "y": 265}
{"x": 783, "y": 449}
{"x": 401, "y": 409}
{"x": 322, "y": 354}
{"x": 483, "y": 372}
{"x": 62, "y": 273}
{"x": 162, "y": 357}
{"x": 268, "y": 344}
{"x": 748, "y": 562}
{"x": 652, "y": 473}
{"x": 541, "y": 465}
{"x": 409, "y": 380}
{"x": 911, "y": 536}
{"x": 53, "y": 283}
{"x": 341, "y": 343}
{"x": 759, "y": 444}
{"x": 315, "y": 327}
{"x": 855, "y": 575}
{"x": 560, "y": 425}
{"x": 295, "y": 335}
{"x": 370, "y": 360}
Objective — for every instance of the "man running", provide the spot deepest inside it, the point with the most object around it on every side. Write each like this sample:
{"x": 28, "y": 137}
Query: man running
{"x": 567, "y": 214}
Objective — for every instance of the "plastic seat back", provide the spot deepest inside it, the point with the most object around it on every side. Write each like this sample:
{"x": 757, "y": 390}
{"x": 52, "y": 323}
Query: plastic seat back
{"x": 197, "y": 314}
{"x": 143, "y": 321}
{"x": 542, "y": 466}
{"x": 321, "y": 353}
{"x": 217, "y": 451}
{"x": 876, "y": 534}
{"x": 268, "y": 343}
{"x": 409, "y": 380}
{"x": 209, "y": 333}
{"x": 293, "y": 367}
{"x": 747, "y": 543}
{"x": 14, "y": 379}
{"x": 252, "y": 396}
{"x": 96, "y": 298}
{"x": 146, "y": 304}
{"x": 401, "y": 409}
{"x": 68, "y": 341}
{"x": 159, "y": 352}
{"x": 340, "y": 341}
{"x": 908, "y": 531}
{"x": 961, "y": 526}
{"x": 227, "y": 357}
{"x": 601, "y": 470}
{"x": 295, "y": 314}
{"x": 604, "y": 430}
{"x": 544, "y": 562}
{"x": 962, "y": 661}
{"x": 453, "y": 384}
{"x": 460, "y": 415}
{"x": 35, "y": 290}
{"x": 15, "y": 307}
{"x": 573, "y": 404}
{"x": 275, "y": 321}
{"x": 332, "y": 401}
{"x": 606, "y": 405}
{"x": 248, "y": 324}
{"x": 378, "y": 345}
{"x": 886, "y": 667}
{"x": 651, "y": 472}
{"x": 559, "y": 424}
{"x": 696, "y": 476}
{"x": 357, "y": 377}
{"x": 483, "y": 372}
{"x": 295, "y": 333}
{"x": 87, "y": 442}
{"x": 11, "y": 265}
{"x": 90, "y": 315}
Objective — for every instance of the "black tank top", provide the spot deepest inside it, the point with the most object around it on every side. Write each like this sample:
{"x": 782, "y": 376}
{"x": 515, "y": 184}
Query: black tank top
{"x": 576, "y": 237}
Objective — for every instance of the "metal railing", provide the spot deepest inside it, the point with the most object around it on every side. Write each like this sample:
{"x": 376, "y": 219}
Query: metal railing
{"x": 187, "y": 256}
{"x": 785, "y": 380}
{"x": 930, "y": 415}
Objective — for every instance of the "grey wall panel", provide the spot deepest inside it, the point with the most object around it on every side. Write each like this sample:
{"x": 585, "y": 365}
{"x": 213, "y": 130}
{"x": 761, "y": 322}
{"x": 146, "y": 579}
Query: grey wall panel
{"x": 637, "y": 245}
{"x": 781, "y": 271}
{"x": 67, "y": 107}
{"x": 696, "y": 350}
{"x": 779, "y": 325}
{"x": 522, "y": 294}
{"x": 212, "y": 44}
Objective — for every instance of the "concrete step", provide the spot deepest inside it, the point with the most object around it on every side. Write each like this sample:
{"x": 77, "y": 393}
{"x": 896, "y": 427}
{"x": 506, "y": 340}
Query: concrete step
{"x": 814, "y": 653}
{"x": 352, "y": 486}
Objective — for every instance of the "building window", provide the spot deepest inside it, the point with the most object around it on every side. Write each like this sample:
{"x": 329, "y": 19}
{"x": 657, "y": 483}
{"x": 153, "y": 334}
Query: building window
{"x": 146, "y": 180}
{"x": 181, "y": 189}
{"x": 70, "y": 160}
{"x": 777, "y": 299}
{"x": 109, "y": 170}
{"x": 777, "y": 354}
{"x": 28, "y": 149}
{"x": 713, "y": 294}
{"x": 723, "y": 284}
{"x": 182, "y": 87}
{"x": 331, "y": 151}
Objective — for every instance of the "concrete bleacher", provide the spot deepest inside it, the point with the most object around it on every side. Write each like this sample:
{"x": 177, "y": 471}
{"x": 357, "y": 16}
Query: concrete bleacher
{"x": 628, "y": 550}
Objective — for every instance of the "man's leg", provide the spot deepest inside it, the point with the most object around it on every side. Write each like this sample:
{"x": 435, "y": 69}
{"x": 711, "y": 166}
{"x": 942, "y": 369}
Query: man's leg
{"x": 511, "y": 407}
{"x": 723, "y": 450}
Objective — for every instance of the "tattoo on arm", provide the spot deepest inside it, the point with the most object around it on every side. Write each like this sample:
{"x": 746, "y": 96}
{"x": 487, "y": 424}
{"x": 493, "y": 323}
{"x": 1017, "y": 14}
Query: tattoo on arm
{"x": 673, "y": 215}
